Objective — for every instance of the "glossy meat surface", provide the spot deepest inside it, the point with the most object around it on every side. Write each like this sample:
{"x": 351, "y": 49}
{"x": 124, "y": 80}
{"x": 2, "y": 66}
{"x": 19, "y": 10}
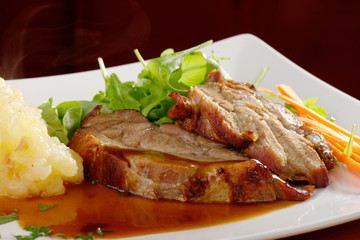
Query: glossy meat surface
{"x": 227, "y": 111}
{"x": 125, "y": 151}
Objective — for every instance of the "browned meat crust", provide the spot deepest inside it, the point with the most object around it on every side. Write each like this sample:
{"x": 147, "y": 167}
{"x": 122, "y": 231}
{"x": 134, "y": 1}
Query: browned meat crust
{"x": 123, "y": 150}
{"x": 225, "y": 111}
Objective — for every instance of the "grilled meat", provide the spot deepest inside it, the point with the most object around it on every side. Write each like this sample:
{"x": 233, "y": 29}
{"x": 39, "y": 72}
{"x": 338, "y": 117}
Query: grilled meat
{"x": 234, "y": 114}
{"x": 125, "y": 151}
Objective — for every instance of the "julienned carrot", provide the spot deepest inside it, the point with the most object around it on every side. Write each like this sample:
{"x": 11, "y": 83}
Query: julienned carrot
{"x": 334, "y": 138}
{"x": 353, "y": 155}
{"x": 337, "y": 142}
{"x": 334, "y": 134}
{"x": 289, "y": 92}
{"x": 341, "y": 143}
{"x": 308, "y": 113}
{"x": 313, "y": 114}
{"x": 266, "y": 91}
{"x": 302, "y": 110}
{"x": 345, "y": 159}
{"x": 330, "y": 133}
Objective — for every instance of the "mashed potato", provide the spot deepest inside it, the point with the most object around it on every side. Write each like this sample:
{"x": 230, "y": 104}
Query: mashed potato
{"x": 31, "y": 162}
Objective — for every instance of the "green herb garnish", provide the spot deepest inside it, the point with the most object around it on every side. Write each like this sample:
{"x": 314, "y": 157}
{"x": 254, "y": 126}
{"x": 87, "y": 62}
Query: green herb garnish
{"x": 349, "y": 145}
{"x": 62, "y": 235}
{"x": 8, "y": 218}
{"x": 310, "y": 103}
{"x": 89, "y": 236}
{"x": 44, "y": 207}
{"x": 36, "y": 232}
{"x": 54, "y": 124}
{"x": 260, "y": 77}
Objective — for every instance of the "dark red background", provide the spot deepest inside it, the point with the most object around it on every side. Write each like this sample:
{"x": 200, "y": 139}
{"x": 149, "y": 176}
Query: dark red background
{"x": 40, "y": 38}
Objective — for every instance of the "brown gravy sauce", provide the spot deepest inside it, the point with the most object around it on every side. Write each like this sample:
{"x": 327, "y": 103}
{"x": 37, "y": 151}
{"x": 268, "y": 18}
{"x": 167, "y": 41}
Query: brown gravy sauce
{"x": 86, "y": 207}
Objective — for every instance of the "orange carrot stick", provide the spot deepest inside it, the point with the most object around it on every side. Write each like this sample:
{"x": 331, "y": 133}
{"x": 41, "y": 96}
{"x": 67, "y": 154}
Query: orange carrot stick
{"x": 338, "y": 142}
{"x": 289, "y": 92}
{"x": 334, "y": 134}
{"x": 302, "y": 109}
{"x": 345, "y": 159}
{"x": 354, "y": 155}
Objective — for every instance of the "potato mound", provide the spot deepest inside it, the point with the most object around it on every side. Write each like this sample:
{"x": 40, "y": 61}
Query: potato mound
{"x": 31, "y": 162}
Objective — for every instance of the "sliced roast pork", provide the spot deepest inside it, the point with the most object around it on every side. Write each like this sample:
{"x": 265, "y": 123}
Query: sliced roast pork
{"x": 125, "y": 151}
{"x": 234, "y": 114}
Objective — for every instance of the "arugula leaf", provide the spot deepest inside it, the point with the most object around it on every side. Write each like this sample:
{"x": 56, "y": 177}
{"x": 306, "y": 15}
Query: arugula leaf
{"x": 152, "y": 97}
{"x": 194, "y": 69}
{"x": 72, "y": 120}
{"x": 177, "y": 71}
{"x": 86, "y": 107}
{"x": 63, "y": 120}
{"x": 160, "y": 111}
{"x": 172, "y": 71}
{"x": 8, "y": 218}
{"x": 310, "y": 103}
{"x": 72, "y": 113}
{"x": 164, "y": 120}
{"x": 101, "y": 97}
{"x": 120, "y": 94}
{"x": 54, "y": 125}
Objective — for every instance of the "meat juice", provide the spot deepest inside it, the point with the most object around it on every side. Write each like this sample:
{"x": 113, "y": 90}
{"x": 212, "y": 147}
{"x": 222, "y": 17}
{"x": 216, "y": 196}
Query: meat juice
{"x": 88, "y": 207}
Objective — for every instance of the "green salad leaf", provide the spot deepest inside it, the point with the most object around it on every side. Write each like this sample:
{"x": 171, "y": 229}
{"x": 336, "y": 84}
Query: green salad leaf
{"x": 54, "y": 125}
{"x": 310, "y": 103}
{"x": 177, "y": 71}
{"x": 63, "y": 120}
{"x": 171, "y": 72}
{"x": 119, "y": 95}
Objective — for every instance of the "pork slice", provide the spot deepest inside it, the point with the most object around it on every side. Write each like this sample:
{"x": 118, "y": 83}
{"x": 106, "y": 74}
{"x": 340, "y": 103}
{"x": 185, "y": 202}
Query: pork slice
{"x": 131, "y": 130}
{"x": 321, "y": 146}
{"x": 125, "y": 151}
{"x": 292, "y": 122}
{"x": 220, "y": 120}
{"x": 234, "y": 107}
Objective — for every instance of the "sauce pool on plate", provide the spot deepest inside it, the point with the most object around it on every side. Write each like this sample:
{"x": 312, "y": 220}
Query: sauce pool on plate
{"x": 87, "y": 207}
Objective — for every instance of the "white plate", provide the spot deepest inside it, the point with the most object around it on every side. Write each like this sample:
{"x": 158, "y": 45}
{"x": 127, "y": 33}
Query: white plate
{"x": 338, "y": 203}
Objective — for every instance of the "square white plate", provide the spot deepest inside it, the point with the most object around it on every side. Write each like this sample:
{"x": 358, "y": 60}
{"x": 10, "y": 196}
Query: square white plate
{"x": 338, "y": 203}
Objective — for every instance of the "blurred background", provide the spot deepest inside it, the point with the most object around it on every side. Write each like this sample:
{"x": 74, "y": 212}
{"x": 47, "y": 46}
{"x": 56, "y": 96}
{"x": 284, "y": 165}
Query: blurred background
{"x": 41, "y": 38}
